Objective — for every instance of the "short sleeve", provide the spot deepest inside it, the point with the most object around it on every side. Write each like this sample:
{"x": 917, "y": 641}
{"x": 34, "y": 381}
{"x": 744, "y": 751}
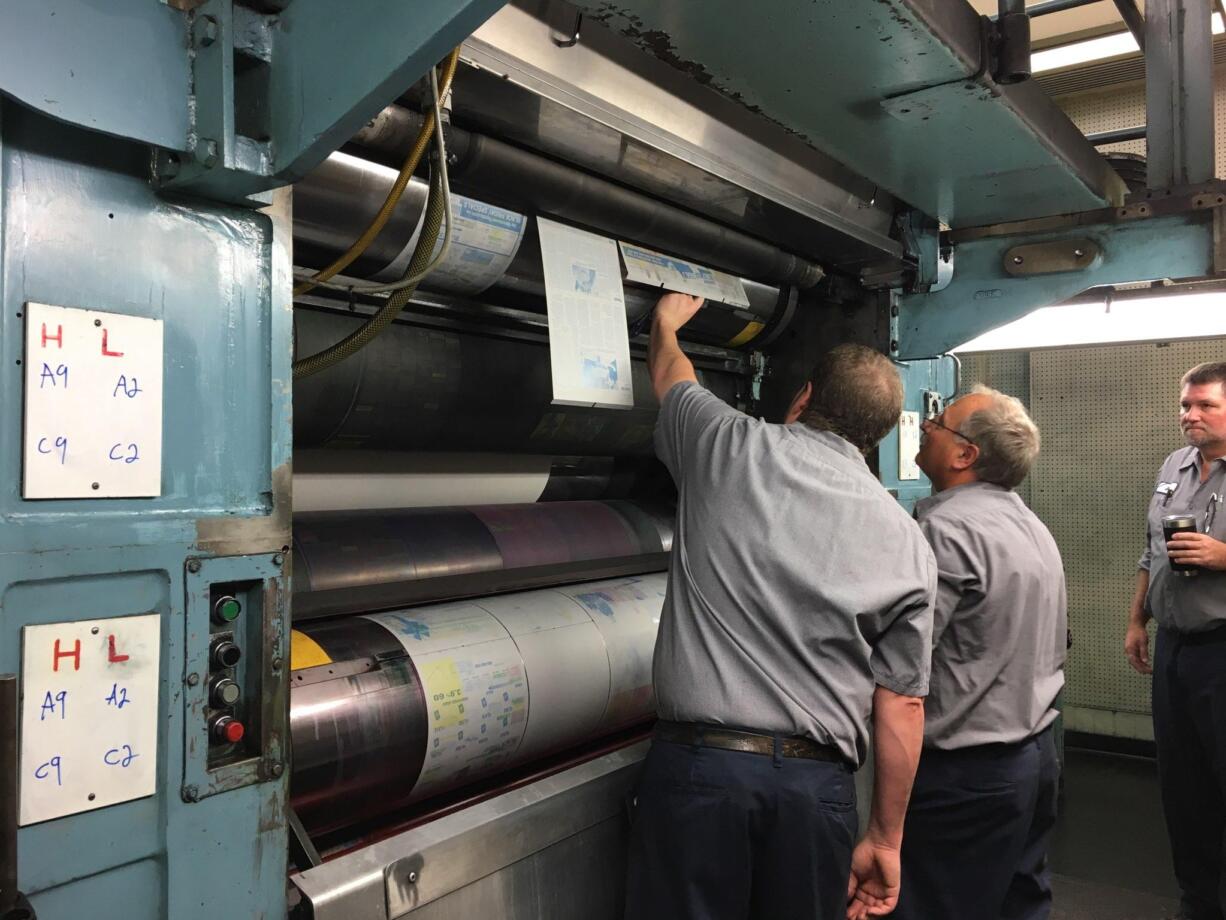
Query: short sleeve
{"x": 1147, "y": 557}
{"x": 687, "y": 411}
{"x": 958, "y": 575}
{"x": 901, "y": 660}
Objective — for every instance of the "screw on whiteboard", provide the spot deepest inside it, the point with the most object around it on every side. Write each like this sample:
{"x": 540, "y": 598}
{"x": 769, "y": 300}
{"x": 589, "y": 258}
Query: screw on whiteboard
{"x": 191, "y": 794}
{"x": 94, "y": 631}
{"x": 412, "y": 878}
{"x": 194, "y": 565}
{"x": 94, "y": 486}
{"x": 278, "y": 559}
{"x": 193, "y": 679}
{"x": 92, "y": 796}
{"x": 97, "y": 322}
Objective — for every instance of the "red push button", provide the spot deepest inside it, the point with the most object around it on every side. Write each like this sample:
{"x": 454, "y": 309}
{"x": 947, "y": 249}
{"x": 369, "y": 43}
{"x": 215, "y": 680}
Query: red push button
{"x": 227, "y": 730}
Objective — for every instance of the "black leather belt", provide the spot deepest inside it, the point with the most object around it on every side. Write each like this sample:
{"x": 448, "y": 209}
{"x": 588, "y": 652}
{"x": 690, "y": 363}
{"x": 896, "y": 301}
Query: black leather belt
{"x": 728, "y": 739}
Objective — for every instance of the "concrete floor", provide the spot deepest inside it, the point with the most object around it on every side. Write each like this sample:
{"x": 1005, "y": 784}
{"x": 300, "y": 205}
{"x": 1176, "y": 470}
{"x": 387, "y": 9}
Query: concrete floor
{"x": 1109, "y": 853}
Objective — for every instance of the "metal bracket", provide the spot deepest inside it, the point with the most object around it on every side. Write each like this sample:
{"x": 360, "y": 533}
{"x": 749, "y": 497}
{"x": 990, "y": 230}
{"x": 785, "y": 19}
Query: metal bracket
{"x": 1165, "y": 238}
{"x": 1071, "y": 255}
{"x": 761, "y": 369}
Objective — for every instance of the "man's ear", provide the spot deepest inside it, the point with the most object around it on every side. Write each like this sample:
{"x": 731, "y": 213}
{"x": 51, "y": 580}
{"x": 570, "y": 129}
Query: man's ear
{"x": 800, "y": 402}
{"x": 966, "y": 457}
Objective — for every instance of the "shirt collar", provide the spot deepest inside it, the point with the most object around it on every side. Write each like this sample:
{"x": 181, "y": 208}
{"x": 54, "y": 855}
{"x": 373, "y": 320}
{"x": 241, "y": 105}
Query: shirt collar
{"x": 1192, "y": 458}
{"x": 831, "y": 440}
{"x": 927, "y": 505}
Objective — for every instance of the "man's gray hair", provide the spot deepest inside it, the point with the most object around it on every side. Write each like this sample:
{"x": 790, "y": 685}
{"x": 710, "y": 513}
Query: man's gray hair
{"x": 1007, "y": 439}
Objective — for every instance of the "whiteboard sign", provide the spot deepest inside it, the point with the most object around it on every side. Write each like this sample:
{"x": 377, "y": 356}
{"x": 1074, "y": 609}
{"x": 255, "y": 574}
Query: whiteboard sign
{"x": 93, "y": 424}
{"x": 589, "y": 339}
{"x": 908, "y": 446}
{"x": 89, "y": 715}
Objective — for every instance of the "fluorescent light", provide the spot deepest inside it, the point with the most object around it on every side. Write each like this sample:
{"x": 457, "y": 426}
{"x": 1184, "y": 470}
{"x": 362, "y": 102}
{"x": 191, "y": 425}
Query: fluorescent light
{"x": 1178, "y": 316}
{"x": 1094, "y": 49}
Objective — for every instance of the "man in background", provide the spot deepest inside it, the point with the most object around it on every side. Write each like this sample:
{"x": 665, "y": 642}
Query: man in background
{"x": 1189, "y": 667}
{"x": 984, "y": 801}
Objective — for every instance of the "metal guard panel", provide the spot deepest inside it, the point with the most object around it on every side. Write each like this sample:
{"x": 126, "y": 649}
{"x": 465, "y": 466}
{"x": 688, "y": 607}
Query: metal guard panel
{"x": 405, "y": 872}
{"x": 892, "y": 89}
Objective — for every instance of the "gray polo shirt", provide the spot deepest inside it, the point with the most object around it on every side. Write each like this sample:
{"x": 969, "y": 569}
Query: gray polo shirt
{"x": 796, "y": 583}
{"x": 1001, "y": 624}
{"x": 1185, "y": 604}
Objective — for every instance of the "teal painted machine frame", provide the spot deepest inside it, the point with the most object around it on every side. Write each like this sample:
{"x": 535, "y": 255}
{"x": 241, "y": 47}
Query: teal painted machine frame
{"x": 81, "y": 226}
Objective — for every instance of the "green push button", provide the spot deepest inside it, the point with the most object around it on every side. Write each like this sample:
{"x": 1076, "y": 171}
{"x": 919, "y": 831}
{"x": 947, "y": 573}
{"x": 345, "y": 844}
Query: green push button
{"x": 227, "y": 609}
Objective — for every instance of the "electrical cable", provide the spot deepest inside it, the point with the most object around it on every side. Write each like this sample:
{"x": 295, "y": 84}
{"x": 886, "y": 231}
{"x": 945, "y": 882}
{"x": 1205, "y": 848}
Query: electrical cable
{"x": 393, "y": 197}
{"x": 438, "y": 213}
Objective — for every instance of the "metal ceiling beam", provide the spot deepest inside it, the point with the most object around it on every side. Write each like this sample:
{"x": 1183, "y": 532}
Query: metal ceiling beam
{"x": 1179, "y": 93}
{"x": 1134, "y": 19}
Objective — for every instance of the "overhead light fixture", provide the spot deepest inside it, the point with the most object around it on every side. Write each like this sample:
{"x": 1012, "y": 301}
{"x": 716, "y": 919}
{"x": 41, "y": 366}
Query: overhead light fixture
{"x": 1094, "y": 49}
{"x": 1109, "y": 321}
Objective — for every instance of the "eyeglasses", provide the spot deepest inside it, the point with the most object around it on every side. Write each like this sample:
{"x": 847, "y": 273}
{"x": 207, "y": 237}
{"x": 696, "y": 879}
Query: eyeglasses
{"x": 935, "y": 422}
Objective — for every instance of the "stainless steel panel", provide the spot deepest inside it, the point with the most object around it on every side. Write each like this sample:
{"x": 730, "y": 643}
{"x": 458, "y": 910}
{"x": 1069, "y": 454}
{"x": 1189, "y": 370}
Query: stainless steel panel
{"x": 581, "y": 876}
{"x": 412, "y": 870}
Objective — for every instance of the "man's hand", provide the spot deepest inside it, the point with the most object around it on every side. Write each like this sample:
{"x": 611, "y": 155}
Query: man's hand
{"x": 876, "y": 877}
{"x": 675, "y": 310}
{"x": 1197, "y": 549}
{"x": 1136, "y": 647}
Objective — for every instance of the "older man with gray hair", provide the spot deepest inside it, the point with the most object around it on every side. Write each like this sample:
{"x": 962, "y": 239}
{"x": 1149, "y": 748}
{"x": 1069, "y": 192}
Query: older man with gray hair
{"x": 984, "y": 802}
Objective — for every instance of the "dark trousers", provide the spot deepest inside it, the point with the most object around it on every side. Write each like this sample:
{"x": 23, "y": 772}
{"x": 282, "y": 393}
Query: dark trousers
{"x": 1190, "y": 730}
{"x": 725, "y": 834}
{"x": 975, "y": 842}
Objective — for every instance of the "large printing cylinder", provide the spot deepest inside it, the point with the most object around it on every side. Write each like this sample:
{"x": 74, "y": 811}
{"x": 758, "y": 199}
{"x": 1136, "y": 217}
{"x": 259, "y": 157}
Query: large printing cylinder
{"x": 364, "y": 480}
{"x": 429, "y": 389}
{"x": 496, "y": 252}
{"x": 394, "y": 708}
{"x": 348, "y": 562}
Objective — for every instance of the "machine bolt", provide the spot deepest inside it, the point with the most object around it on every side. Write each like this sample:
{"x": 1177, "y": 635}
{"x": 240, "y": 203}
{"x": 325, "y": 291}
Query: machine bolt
{"x": 1079, "y": 253}
{"x": 193, "y": 679}
{"x": 278, "y": 559}
{"x": 1018, "y": 260}
{"x": 191, "y": 794}
{"x": 277, "y": 664}
{"x": 206, "y": 152}
{"x": 412, "y": 876}
{"x": 277, "y": 770}
{"x": 206, "y": 30}
{"x": 194, "y": 565}
{"x": 169, "y": 165}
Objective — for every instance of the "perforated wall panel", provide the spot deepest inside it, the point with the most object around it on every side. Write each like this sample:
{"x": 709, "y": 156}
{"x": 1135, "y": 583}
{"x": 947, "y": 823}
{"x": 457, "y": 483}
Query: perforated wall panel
{"x": 1123, "y": 106}
{"x": 1108, "y": 415}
